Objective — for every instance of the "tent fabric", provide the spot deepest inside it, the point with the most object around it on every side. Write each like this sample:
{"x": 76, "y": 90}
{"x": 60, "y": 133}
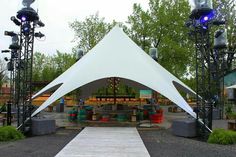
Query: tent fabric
{"x": 116, "y": 55}
{"x": 87, "y": 90}
{"x": 233, "y": 86}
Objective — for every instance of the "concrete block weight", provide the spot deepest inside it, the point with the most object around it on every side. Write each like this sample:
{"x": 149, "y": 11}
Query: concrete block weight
{"x": 184, "y": 127}
{"x": 43, "y": 126}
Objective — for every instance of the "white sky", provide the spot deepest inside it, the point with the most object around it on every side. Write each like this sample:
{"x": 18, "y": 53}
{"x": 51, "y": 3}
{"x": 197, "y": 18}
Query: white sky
{"x": 56, "y": 14}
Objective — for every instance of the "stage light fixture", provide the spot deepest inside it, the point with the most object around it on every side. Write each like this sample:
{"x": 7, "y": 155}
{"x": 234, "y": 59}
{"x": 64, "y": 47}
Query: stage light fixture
{"x": 207, "y": 18}
{"x": 200, "y": 8}
{"x": 220, "y": 39}
{"x": 79, "y": 54}
{"x": 39, "y": 35}
{"x": 10, "y": 66}
{"x": 204, "y": 27}
{"x": 26, "y": 28}
{"x": 27, "y": 14}
{"x": 15, "y": 43}
{"x": 6, "y": 59}
{"x": 27, "y": 3}
{"x": 5, "y": 51}
{"x": 23, "y": 18}
{"x": 40, "y": 23}
{"x": 18, "y": 23}
{"x": 10, "y": 33}
{"x": 153, "y": 53}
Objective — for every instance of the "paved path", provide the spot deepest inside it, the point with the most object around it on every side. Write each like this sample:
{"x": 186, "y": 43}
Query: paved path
{"x": 104, "y": 142}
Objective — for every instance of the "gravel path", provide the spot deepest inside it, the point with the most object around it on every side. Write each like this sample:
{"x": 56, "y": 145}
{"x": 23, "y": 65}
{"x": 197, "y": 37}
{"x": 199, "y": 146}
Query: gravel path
{"x": 161, "y": 143}
{"x": 38, "y": 146}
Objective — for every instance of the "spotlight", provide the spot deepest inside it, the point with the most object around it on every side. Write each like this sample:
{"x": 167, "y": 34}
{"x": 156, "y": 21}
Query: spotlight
{"x": 79, "y": 54}
{"x": 220, "y": 40}
{"x": 200, "y": 8}
{"x": 40, "y": 23}
{"x": 153, "y": 53}
{"x": 11, "y": 34}
{"x": 204, "y": 27}
{"x": 13, "y": 18}
{"x": 10, "y": 66}
{"x": 27, "y": 14}
{"x": 23, "y": 18}
{"x": 27, "y": 3}
{"x": 207, "y": 18}
{"x": 218, "y": 33}
{"x": 26, "y": 29}
{"x": 5, "y": 51}
{"x": 39, "y": 35}
{"x": 15, "y": 45}
{"x": 6, "y": 59}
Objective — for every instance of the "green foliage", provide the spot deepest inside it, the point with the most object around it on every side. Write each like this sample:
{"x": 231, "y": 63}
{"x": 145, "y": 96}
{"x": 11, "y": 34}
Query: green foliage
{"x": 3, "y": 72}
{"x": 231, "y": 115}
{"x": 221, "y": 136}
{"x": 162, "y": 26}
{"x": 47, "y": 68}
{"x": 90, "y": 31}
{"x": 140, "y": 28}
{"x": 3, "y": 108}
{"x": 9, "y": 133}
{"x": 122, "y": 90}
{"x": 228, "y": 108}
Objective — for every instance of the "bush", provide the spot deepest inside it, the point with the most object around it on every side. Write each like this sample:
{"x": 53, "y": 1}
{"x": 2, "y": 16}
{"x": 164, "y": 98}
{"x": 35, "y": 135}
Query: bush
{"x": 232, "y": 115}
{"x": 9, "y": 133}
{"x": 221, "y": 136}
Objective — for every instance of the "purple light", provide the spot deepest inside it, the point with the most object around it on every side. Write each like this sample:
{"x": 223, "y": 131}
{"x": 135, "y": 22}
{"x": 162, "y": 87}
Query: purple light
{"x": 23, "y": 18}
{"x": 206, "y": 18}
{"x": 204, "y": 27}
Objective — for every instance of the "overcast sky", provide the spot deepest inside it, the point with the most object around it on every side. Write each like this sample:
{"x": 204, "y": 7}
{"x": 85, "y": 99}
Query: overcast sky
{"x": 56, "y": 14}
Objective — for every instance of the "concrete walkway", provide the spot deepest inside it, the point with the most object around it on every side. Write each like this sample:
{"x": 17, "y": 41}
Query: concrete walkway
{"x": 106, "y": 142}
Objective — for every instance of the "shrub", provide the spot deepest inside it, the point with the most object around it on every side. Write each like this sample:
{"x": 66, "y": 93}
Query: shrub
{"x": 232, "y": 115}
{"x": 9, "y": 133}
{"x": 221, "y": 136}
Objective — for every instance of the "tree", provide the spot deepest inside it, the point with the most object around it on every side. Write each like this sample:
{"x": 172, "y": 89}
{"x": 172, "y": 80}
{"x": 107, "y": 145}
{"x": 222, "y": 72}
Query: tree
{"x": 40, "y": 60}
{"x": 140, "y": 23}
{"x": 61, "y": 62}
{"x": 162, "y": 26}
{"x": 3, "y": 73}
{"x": 90, "y": 31}
{"x": 47, "y": 68}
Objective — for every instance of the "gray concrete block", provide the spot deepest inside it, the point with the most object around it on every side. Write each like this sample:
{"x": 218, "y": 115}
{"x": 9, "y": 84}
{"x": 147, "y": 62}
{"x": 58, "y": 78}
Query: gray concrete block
{"x": 184, "y": 127}
{"x": 43, "y": 126}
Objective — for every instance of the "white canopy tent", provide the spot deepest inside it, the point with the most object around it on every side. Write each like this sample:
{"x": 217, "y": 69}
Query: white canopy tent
{"x": 233, "y": 86}
{"x": 116, "y": 55}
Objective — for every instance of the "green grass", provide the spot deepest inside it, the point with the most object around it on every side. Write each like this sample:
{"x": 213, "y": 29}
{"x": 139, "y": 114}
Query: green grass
{"x": 221, "y": 136}
{"x": 9, "y": 133}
